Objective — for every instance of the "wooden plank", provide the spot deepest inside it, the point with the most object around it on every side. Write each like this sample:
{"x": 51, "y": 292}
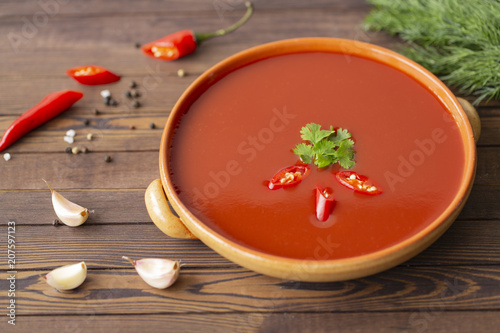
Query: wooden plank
{"x": 35, "y": 208}
{"x": 136, "y": 170}
{"x": 59, "y": 45}
{"x": 464, "y": 243}
{"x": 108, "y": 206}
{"x": 238, "y": 290}
{"x": 102, "y": 40}
{"x": 101, "y": 31}
{"x": 109, "y": 133}
{"x": 102, "y": 246}
{"x": 482, "y": 203}
{"x": 112, "y": 132}
{"x": 88, "y": 171}
{"x": 158, "y": 93}
{"x": 488, "y": 166}
{"x": 221, "y": 7}
{"x": 435, "y": 320}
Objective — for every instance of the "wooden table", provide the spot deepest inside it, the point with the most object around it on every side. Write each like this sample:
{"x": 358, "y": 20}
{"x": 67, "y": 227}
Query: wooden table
{"x": 454, "y": 286}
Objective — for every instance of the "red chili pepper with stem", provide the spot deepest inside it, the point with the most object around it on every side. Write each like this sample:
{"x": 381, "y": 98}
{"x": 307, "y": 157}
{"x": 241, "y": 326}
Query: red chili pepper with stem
{"x": 324, "y": 203}
{"x": 92, "y": 75}
{"x": 358, "y": 183}
{"x": 52, "y": 105}
{"x": 184, "y": 42}
{"x": 289, "y": 176}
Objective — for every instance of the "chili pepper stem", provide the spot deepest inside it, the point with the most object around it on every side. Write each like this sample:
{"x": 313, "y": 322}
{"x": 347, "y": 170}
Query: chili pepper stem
{"x": 201, "y": 37}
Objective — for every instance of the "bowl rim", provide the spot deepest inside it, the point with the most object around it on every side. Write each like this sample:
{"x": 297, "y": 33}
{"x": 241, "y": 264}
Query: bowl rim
{"x": 330, "y": 269}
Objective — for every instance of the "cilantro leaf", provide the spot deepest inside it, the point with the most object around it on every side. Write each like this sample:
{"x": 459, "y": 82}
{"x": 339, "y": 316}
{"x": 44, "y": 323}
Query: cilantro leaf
{"x": 326, "y": 147}
{"x": 345, "y": 154}
{"x": 305, "y": 152}
{"x": 325, "y": 153}
{"x": 339, "y": 136}
{"x": 313, "y": 133}
{"x": 324, "y": 160}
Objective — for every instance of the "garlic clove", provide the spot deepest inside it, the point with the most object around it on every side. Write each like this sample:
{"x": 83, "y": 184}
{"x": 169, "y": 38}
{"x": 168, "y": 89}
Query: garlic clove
{"x": 68, "y": 212}
{"x": 158, "y": 273}
{"x": 67, "y": 277}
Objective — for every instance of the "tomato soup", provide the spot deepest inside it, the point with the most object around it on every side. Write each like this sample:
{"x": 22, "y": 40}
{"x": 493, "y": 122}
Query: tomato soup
{"x": 242, "y": 129}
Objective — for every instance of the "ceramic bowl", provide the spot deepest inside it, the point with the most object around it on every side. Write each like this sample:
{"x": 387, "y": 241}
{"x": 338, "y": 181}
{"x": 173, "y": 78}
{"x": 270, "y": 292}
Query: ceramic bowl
{"x": 184, "y": 224}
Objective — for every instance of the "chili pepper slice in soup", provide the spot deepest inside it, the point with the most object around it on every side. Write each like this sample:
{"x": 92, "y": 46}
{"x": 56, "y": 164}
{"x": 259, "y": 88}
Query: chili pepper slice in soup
{"x": 324, "y": 203}
{"x": 358, "y": 183}
{"x": 289, "y": 176}
{"x": 234, "y": 137}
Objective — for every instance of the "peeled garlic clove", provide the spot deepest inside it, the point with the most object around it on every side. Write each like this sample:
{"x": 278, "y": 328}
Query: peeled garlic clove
{"x": 67, "y": 277}
{"x": 158, "y": 273}
{"x": 68, "y": 212}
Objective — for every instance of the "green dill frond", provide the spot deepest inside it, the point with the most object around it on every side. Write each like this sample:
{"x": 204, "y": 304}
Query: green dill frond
{"x": 459, "y": 41}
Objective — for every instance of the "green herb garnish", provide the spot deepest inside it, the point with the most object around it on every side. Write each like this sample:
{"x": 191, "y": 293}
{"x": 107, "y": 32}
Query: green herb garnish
{"x": 459, "y": 41}
{"x": 326, "y": 147}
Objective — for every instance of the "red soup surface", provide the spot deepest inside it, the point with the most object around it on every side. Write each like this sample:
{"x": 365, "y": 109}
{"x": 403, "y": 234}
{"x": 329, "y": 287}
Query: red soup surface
{"x": 242, "y": 130}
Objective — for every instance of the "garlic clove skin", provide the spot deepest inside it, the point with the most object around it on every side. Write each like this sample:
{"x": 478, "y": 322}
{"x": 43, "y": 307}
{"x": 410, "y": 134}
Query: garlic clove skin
{"x": 68, "y": 212}
{"x": 67, "y": 277}
{"x": 158, "y": 273}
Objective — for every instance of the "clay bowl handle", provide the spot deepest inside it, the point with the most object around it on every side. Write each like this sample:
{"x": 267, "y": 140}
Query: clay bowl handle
{"x": 159, "y": 211}
{"x": 473, "y": 116}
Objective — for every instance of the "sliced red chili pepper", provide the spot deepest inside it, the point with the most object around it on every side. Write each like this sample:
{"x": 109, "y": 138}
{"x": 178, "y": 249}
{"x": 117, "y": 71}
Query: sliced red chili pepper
{"x": 52, "y": 105}
{"x": 92, "y": 75}
{"x": 172, "y": 46}
{"x": 184, "y": 42}
{"x": 324, "y": 203}
{"x": 358, "y": 183}
{"x": 289, "y": 176}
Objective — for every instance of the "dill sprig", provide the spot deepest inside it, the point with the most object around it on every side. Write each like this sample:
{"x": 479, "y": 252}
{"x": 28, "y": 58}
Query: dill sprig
{"x": 459, "y": 41}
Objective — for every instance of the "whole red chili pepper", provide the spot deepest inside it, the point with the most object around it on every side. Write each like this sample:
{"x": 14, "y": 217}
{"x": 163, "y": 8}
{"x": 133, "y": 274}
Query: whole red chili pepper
{"x": 52, "y": 105}
{"x": 184, "y": 42}
{"x": 92, "y": 75}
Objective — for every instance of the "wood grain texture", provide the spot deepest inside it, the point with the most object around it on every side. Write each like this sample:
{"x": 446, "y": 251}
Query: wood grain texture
{"x": 450, "y": 287}
{"x": 159, "y": 91}
{"x": 109, "y": 133}
{"x": 98, "y": 7}
{"x": 108, "y": 205}
{"x": 64, "y": 171}
{"x": 88, "y": 171}
{"x": 111, "y": 41}
{"x": 103, "y": 245}
{"x": 239, "y": 290}
{"x": 333, "y": 322}
{"x": 35, "y": 208}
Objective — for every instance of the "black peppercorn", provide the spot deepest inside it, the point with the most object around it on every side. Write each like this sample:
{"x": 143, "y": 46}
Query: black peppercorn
{"x": 107, "y": 100}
